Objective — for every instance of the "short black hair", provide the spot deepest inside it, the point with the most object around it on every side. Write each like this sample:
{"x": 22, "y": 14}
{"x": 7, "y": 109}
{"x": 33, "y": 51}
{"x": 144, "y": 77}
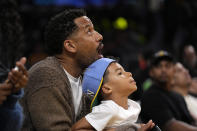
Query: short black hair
{"x": 59, "y": 28}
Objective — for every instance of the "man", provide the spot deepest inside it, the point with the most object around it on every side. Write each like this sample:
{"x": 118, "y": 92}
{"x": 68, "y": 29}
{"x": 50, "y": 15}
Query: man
{"x": 53, "y": 99}
{"x": 165, "y": 107}
{"x": 181, "y": 84}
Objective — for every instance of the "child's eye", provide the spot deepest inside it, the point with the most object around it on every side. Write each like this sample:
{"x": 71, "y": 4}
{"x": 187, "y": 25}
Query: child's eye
{"x": 120, "y": 73}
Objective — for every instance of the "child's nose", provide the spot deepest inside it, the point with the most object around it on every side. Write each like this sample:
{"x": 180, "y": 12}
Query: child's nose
{"x": 129, "y": 74}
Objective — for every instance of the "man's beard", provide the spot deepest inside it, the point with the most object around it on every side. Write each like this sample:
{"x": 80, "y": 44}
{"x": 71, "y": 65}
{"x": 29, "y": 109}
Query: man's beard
{"x": 85, "y": 64}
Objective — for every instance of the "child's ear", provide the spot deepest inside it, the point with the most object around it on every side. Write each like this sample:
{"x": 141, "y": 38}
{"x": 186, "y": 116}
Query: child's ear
{"x": 106, "y": 89}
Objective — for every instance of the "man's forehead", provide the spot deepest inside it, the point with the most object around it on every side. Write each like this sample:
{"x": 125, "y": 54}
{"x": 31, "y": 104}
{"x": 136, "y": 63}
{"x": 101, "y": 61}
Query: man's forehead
{"x": 83, "y": 21}
{"x": 162, "y": 63}
{"x": 165, "y": 62}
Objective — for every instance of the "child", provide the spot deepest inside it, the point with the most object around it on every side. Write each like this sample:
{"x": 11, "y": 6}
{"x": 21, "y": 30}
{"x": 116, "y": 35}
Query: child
{"x": 110, "y": 86}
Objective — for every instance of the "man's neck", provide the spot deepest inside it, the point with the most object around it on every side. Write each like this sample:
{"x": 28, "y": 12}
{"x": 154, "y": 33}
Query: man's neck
{"x": 70, "y": 65}
{"x": 163, "y": 85}
{"x": 181, "y": 90}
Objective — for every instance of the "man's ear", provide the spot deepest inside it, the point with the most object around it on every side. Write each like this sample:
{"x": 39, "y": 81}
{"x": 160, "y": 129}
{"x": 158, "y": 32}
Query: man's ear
{"x": 106, "y": 89}
{"x": 70, "y": 46}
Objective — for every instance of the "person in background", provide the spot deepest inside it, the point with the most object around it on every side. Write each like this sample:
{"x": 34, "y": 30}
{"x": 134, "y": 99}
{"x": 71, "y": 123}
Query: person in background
{"x": 165, "y": 107}
{"x": 11, "y": 114}
{"x": 190, "y": 59}
{"x": 181, "y": 84}
{"x": 12, "y": 80}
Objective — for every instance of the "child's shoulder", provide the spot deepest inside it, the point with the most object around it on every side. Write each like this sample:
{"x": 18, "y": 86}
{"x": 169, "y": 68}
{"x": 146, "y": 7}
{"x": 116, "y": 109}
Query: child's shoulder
{"x": 134, "y": 104}
{"x": 108, "y": 106}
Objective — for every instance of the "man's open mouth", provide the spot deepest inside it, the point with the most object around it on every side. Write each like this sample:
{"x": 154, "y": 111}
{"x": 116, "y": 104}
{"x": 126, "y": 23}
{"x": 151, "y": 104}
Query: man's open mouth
{"x": 100, "y": 50}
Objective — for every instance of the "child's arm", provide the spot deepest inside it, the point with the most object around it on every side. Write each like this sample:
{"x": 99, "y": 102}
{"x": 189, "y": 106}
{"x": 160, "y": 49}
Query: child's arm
{"x": 82, "y": 125}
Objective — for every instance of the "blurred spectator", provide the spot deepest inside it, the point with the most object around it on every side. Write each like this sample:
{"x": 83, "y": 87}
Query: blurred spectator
{"x": 11, "y": 81}
{"x": 11, "y": 115}
{"x": 165, "y": 107}
{"x": 190, "y": 59}
{"x": 181, "y": 83}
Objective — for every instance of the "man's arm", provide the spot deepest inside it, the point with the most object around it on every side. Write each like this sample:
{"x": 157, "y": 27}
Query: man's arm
{"x": 48, "y": 101}
{"x": 82, "y": 125}
{"x": 49, "y": 111}
{"x": 175, "y": 125}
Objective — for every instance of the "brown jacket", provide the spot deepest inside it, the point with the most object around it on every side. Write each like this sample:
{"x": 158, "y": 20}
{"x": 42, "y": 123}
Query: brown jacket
{"x": 48, "y": 103}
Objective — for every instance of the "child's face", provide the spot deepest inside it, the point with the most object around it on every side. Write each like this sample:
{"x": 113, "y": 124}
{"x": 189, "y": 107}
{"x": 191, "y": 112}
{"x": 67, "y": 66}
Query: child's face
{"x": 119, "y": 80}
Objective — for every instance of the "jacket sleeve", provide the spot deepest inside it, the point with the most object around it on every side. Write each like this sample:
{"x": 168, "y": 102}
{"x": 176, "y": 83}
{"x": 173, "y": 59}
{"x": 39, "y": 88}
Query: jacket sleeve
{"x": 47, "y": 102}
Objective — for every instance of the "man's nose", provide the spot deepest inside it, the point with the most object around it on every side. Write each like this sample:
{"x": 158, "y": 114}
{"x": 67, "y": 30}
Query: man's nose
{"x": 99, "y": 37}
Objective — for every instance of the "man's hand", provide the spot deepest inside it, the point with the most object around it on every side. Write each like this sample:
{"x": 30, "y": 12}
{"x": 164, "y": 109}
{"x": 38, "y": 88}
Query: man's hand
{"x": 5, "y": 90}
{"x": 18, "y": 76}
{"x": 147, "y": 127}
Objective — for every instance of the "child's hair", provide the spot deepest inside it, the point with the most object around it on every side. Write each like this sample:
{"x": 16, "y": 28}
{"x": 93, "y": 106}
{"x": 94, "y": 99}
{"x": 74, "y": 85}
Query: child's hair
{"x": 105, "y": 78}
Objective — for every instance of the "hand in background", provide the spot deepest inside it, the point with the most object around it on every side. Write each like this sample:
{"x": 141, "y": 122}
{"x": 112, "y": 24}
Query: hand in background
{"x": 18, "y": 77}
{"x": 5, "y": 90}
